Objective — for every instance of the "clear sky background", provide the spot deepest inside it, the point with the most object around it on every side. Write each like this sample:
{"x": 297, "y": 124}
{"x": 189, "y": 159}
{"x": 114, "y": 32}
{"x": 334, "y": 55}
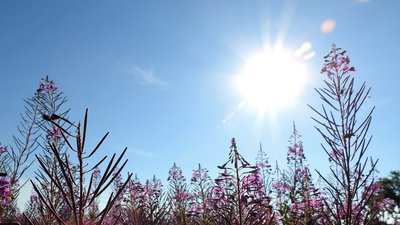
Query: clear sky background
{"x": 160, "y": 75}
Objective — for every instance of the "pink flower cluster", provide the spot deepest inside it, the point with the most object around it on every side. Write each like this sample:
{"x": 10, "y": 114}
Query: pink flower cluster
{"x": 96, "y": 173}
{"x": 3, "y": 149}
{"x": 281, "y": 187}
{"x": 295, "y": 153}
{"x": 175, "y": 173}
{"x": 263, "y": 165}
{"x": 135, "y": 192}
{"x": 253, "y": 183}
{"x": 48, "y": 86}
{"x": 336, "y": 62}
{"x": 5, "y": 191}
{"x": 182, "y": 196}
{"x": 199, "y": 176}
{"x": 153, "y": 189}
{"x": 218, "y": 193}
{"x": 54, "y": 134}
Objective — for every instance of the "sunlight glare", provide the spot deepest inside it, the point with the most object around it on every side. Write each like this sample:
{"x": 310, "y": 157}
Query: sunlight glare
{"x": 271, "y": 80}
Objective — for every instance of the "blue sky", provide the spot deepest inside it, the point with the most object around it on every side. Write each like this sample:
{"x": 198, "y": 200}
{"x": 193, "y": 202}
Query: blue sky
{"x": 159, "y": 75}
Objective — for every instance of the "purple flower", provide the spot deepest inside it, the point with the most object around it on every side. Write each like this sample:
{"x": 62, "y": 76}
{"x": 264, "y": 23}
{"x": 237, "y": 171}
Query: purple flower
{"x": 196, "y": 175}
{"x": 96, "y": 172}
{"x": 3, "y": 149}
{"x": 175, "y": 173}
{"x": 41, "y": 87}
{"x": 51, "y": 87}
{"x": 54, "y": 134}
{"x": 4, "y": 182}
{"x": 5, "y": 191}
{"x": 182, "y": 196}
{"x": 281, "y": 187}
{"x": 336, "y": 63}
{"x": 218, "y": 192}
{"x": 261, "y": 165}
{"x": 276, "y": 184}
{"x": 345, "y": 59}
{"x": 196, "y": 208}
{"x": 34, "y": 198}
{"x": 48, "y": 86}
{"x": 153, "y": 188}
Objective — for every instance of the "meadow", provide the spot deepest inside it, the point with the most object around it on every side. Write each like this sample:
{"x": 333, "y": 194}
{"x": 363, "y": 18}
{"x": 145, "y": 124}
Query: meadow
{"x": 67, "y": 186}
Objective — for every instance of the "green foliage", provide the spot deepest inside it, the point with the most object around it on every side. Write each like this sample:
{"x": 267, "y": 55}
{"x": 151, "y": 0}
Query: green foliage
{"x": 391, "y": 186}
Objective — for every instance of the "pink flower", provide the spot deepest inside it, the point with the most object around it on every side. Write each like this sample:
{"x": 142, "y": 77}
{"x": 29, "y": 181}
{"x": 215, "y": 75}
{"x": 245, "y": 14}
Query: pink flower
{"x": 345, "y": 59}
{"x": 196, "y": 208}
{"x": 175, "y": 173}
{"x": 276, "y": 184}
{"x": 334, "y": 65}
{"x": 196, "y": 175}
{"x": 51, "y": 87}
{"x": 181, "y": 196}
{"x": 335, "y": 62}
{"x": 54, "y": 134}
{"x": 41, "y": 88}
{"x": 96, "y": 172}
{"x": 3, "y": 149}
{"x": 280, "y": 187}
{"x": 48, "y": 86}
{"x": 218, "y": 190}
{"x": 373, "y": 189}
{"x": 5, "y": 191}
{"x": 4, "y": 182}
{"x": 34, "y": 198}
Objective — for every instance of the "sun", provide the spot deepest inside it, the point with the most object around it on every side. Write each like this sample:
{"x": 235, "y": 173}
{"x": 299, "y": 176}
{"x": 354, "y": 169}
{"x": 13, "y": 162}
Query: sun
{"x": 271, "y": 80}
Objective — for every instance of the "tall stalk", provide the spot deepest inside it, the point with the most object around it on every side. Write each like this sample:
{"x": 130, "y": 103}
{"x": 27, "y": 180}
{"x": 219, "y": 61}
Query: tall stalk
{"x": 345, "y": 131}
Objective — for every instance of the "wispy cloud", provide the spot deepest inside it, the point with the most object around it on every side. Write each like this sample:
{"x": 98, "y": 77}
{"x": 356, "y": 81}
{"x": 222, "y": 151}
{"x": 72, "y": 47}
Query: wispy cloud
{"x": 146, "y": 77}
{"x": 145, "y": 154}
{"x": 138, "y": 74}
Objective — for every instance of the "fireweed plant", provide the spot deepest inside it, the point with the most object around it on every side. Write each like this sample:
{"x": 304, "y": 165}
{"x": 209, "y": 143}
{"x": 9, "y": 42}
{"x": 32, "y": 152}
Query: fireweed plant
{"x": 32, "y": 132}
{"x": 5, "y": 192}
{"x": 179, "y": 196}
{"x": 71, "y": 174}
{"x": 239, "y": 196}
{"x": 51, "y": 106}
{"x": 298, "y": 201}
{"x": 265, "y": 170}
{"x": 67, "y": 188}
{"x": 342, "y": 124}
{"x": 140, "y": 203}
{"x": 201, "y": 205}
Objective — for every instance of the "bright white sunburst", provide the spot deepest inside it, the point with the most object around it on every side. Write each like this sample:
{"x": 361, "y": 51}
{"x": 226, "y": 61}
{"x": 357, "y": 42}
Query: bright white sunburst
{"x": 271, "y": 80}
